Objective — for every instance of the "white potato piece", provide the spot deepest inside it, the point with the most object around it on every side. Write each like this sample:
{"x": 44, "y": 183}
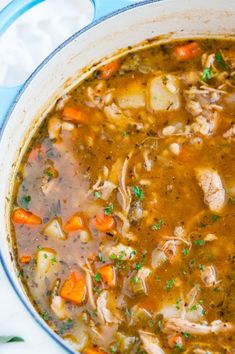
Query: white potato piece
{"x": 54, "y": 229}
{"x": 131, "y": 96}
{"x": 164, "y": 93}
{"x": 45, "y": 263}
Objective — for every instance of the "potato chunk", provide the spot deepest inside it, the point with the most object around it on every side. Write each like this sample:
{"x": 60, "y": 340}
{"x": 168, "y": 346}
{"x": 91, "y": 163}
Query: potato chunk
{"x": 45, "y": 262}
{"x": 164, "y": 93}
{"x": 131, "y": 96}
{"x": 54, "y": 229}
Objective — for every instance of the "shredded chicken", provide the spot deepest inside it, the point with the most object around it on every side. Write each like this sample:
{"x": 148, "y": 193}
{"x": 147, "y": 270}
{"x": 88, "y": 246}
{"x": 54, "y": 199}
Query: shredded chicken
{"x": 192, "y": 295}
{"x": 211, "y": 184}
{"x": 180, "y": 325}
{"x": 107, "y": 308}
{"x": 150, "y": 343}
{"x": 230, "y": 134}
{"x": 89, "y": 284}
{"x": 208, "y": 276}
{"x": 122, "y": 252}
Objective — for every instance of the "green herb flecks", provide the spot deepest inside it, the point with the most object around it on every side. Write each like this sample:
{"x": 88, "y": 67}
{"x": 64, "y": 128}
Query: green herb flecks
{"x": 24, "y": 201}
{"x": 138, "y": 192}
{"x": 97, "y": 194}
{"x": 199, "y": 242}
{"x": 108, "y": 209}
{"x": 220, "y": 60}
{"x": 215, "y": 218}
{"x": 185, "y": 251}
{"x": 66, "y": 326}
{"x": 158, "y": 225}
{"x": 135, "y": 280}
{"x": 207, "y": 74}
{"x": 101, "y": 257}
{"x": 169, "y": 284}
{"x": 97, "y": 277}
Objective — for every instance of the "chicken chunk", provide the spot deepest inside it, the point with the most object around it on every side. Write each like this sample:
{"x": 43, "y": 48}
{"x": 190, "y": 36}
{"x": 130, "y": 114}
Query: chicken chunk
{"x": 211, "y": 184}
{"x": 150, "y": 343}
{"x": 208, "y": 276}
{"x": 230, "y": 134}
{"x": 180, "y": 325}
{"x": 107, "y": 308}
{"x": 122, "y": 252}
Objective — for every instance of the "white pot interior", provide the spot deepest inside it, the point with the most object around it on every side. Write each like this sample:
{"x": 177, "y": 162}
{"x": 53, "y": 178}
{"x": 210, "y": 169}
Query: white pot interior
{"x": 169, "y": 19}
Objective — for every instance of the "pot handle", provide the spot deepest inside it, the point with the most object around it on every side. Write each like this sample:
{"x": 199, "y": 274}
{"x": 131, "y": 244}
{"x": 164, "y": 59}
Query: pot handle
{"x": 105, "y": 7}
{"x": 8, "y": 15}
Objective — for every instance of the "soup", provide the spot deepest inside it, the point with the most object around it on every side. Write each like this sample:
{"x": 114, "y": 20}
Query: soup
{"x": 123, "y": 213}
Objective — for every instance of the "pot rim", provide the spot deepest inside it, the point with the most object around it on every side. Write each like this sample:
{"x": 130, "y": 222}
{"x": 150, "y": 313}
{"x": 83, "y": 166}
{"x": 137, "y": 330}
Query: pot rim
{"x": 27, "y": 305}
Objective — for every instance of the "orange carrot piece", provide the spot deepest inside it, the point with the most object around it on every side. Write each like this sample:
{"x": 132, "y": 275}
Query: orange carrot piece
{"x": 74, "y": 288}
{"x": 21, "y": 216}
{"x": 75, "y": 115}
{"x": 25, "y": 259}
{"x": 107, "y": 273}
{"x": 74, "y": 223}
{"x": 103, "y": 222}
{"x": 188, "y": 51}
{"x": 176, "y": 341}
{"x": 106, "y": 71}
{"x": 93, "y": 351}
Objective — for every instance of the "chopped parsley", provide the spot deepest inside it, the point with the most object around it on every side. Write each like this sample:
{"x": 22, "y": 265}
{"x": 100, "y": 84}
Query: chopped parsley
{"x": 199, "y": 242}
{"x": 158, "y": 225}
{"x": 177, "y": 304}
{"x": 201, "y": 267}
{"x": 138, "y": 192}
{"x": 97, "y": 194}
{"x": 135, "y": 280}
{"x": 113, "y": 256}
{"x": 45, "y": 255}
{"x": 108, "y": 209}
{"x": 185, "y": 251}
{"x": 215, "y": 218}
{"x": 67, "y": 326}
{"x": 53, "y": 260}
{"x": 158, "y": 278}
{"x": 169, "y": 284}
{"x": 207, "y": 74}
{"x": 179, "y": 346}
{"x": 97, "y": 277}
{"x": 193, "y": 308}
{"x": 186, "y": 335}
{"x": 220, "y": 60}
{"x": 113, "y": 349}
{"x": 24, "y": 201}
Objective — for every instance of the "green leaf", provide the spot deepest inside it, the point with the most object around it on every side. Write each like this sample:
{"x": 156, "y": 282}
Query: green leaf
{"x": 138, "y": 192}
{"x": 207, "y": 74}
{"x": 220, "y": 60}
{"x": 108, "y": 209}
{"x": 199, "y": 242}
{"x": 135, "y": 280}
{"x": 10, "y": 339}
{"x": 24, "y": 201}
{"x": 158, "y": 225}
{"x": 185, "y": 251}
{"x": 97, "y": 277}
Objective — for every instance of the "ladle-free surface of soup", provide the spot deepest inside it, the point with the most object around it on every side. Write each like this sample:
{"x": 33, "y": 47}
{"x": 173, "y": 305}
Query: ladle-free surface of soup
{"x": 124, "y": 209}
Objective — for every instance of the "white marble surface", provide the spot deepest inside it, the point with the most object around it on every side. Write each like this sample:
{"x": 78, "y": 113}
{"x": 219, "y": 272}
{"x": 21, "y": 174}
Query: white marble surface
{"x": 22, "y": 48}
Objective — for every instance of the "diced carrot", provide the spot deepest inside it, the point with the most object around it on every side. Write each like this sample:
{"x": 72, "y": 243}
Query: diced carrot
{"x": 74, "y": 223}
{"x": 107, "y": 273}
{"x": 93, "y": 351}
{"x": 74, "y": 288}
{"x": 176, "y": 341}
{"x": 103, "y": 222}
{"x": 106, "y": 71}
{"x": 188, "y": 51}
{"x": 75, "y": 115}
{"x": 21, "y": 216}
{"x": 25, "y": 259}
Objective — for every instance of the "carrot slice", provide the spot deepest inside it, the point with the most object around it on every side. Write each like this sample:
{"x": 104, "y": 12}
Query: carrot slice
{"x": 21, "y": 216}
{"x": 188, "y": 51}
{"x": 25, "y": 259}
{"x": 176, "y": 341}
{"x": 74, "y": 223}
{"x": 106, "y": 71}
{"x": 107, "y": 273}
{"x": 103, "y": 222}
{"x": 75, "y": 115}
{"x": 74, "y": 288}
{"x": 93, "y": 351}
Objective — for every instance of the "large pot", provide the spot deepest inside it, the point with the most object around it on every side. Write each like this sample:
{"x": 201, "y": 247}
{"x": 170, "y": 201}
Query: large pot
{"x": 28, "y": 104}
